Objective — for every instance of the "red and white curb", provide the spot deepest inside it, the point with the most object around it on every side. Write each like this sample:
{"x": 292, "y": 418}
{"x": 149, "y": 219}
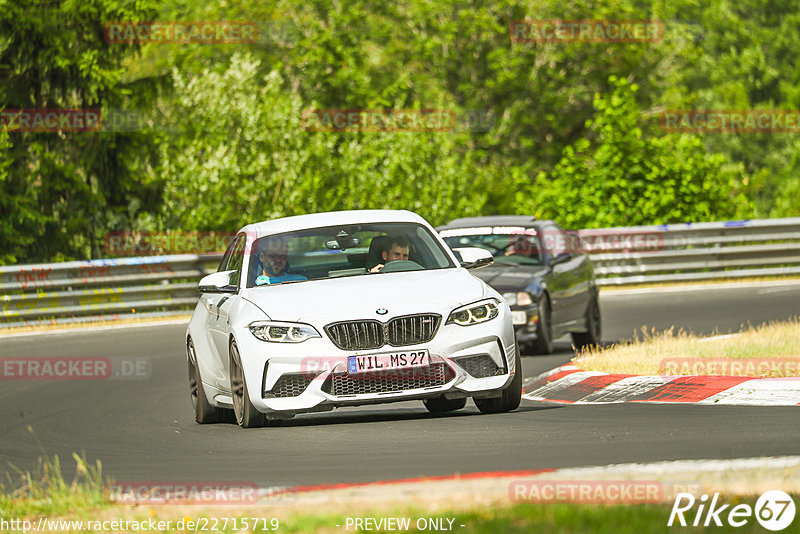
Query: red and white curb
{"x": 570, "y": 385}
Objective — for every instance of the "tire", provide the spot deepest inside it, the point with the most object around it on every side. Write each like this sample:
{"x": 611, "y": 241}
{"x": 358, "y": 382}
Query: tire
{"x": 544, "y": 330}
{"x": 246, "y": 414}
{"x": 204, "y": 413}
{"x": 440, "y": 404}
{"x": 591, "y": 337}
{"x": 511, "y": 396}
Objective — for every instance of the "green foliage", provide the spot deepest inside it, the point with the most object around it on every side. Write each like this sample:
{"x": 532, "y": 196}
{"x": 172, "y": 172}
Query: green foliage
{"x": 624, "y": 177}
{"x": 45, "y": 491}
{"x": 243, "y": 154}
{"x": 61, "y": 187}
{"x": 237, "y": 151}
{"x": 19, "y": 214}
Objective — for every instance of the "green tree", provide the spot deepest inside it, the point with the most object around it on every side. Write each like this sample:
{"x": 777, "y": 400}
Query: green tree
{"x": 620, "y": 176}
{"x": 242, "y": 154}
{"x": 62, "y": 187}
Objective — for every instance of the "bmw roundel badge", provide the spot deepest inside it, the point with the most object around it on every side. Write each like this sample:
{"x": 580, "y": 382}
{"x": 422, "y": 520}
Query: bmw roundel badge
{"x": 381, "y": 311}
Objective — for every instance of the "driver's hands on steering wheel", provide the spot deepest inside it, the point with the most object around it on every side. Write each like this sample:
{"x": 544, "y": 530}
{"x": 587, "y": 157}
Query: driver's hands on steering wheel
{"x": 377, "y": 268}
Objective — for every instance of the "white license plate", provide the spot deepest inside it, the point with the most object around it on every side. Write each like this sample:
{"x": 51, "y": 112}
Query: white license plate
{"x": 390, "y": 360}
{"x": 519, "y": 317}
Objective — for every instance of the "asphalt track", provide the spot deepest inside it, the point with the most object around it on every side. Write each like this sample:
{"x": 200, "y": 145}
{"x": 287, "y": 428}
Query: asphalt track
{"x": 142, "y": 430}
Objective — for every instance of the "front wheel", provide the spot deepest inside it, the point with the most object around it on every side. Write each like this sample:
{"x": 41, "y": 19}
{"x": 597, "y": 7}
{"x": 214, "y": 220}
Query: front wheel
{"x": 246, "y": 414}
{"x": 544, "y": 330}
{"x": 511, "y": 396}
{"x": 591, "y": 337}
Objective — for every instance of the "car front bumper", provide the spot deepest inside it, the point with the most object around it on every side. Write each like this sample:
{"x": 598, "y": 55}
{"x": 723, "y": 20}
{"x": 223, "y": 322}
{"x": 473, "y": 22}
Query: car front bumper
{"x": 285, "y": 379}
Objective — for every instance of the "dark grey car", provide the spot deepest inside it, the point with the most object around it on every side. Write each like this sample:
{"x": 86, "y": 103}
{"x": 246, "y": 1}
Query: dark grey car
{"x": 541, "y": 271}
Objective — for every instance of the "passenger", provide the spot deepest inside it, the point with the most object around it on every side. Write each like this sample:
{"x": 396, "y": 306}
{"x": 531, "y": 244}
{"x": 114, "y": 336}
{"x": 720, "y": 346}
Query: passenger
{"x": 395, "y": 248}
{"x": 274, "y": 263}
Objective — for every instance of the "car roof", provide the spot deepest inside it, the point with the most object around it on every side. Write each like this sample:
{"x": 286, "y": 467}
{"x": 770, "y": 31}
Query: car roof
{"x": 492, "y": 220}
{"x": 331, "y": 218}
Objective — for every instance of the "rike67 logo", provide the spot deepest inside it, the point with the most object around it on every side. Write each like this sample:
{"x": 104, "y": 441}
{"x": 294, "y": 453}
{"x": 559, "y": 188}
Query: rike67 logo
{"x": 774, "y": 510}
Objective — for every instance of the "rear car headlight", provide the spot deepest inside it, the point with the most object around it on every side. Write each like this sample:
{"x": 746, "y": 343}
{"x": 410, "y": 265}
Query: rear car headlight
{"x": 277, "y": 332}
{"x": 478, "y": 312}
{"x": 523, "y": 298}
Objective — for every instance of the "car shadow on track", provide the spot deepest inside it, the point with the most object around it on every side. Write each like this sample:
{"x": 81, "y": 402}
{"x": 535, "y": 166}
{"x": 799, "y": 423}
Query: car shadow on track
{"x": 384, "y": 416}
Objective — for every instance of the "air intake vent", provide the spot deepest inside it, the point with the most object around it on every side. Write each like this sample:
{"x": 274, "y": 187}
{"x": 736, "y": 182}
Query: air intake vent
{"x": 394, "y": 380}
{"x": 480, "y": 366}
{"x": 290, "y": 385}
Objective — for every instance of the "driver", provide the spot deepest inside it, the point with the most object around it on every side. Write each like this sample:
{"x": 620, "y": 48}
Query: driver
{"x": 274, "y": 263}
{"x": 395, "y": 248}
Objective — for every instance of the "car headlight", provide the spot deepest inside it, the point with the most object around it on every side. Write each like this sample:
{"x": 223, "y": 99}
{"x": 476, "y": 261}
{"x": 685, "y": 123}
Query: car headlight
{"x": 523, "y": 298}
{"x": 478, "y": 312}
{"x": 277, "y": 332}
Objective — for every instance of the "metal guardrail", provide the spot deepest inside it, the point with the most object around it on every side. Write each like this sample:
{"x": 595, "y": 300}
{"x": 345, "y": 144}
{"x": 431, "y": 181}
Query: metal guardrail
{"x": 95, "y": 290}
{"x": 704, "y": 251}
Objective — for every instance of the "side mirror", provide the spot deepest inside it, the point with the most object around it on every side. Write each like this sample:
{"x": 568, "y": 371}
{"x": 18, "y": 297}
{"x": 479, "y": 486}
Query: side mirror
{"x": 474, "y": 257}
{"x": 218, "y": 283}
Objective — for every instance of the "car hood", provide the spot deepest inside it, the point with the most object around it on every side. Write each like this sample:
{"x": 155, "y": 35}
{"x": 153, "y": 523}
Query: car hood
{"x": 510, "y": 278}
{"x": 358, "y": 297}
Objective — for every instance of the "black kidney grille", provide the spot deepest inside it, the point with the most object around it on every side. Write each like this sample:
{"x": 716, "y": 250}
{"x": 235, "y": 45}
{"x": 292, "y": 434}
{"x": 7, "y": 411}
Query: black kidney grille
{"x": 354, "y": 335}
{"x": 412, "y": 329}
{"x": 401, "y": 331}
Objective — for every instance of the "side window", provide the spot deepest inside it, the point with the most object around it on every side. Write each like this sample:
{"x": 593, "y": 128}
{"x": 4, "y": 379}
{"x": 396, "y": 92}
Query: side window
{"x": 237, "y": 257}
{"x": 226, "y": 258}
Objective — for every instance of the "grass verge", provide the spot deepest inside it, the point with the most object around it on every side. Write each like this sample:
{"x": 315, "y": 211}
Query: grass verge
{"x": 767, "y": 351}
{"x": 48, "y": 494}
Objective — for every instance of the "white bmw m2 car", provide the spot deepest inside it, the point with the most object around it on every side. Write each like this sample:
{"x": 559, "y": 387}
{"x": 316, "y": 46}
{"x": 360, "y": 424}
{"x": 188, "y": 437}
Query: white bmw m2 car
{"x": 348, "y": 308}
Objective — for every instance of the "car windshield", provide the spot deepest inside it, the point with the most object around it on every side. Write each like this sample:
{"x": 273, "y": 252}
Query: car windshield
{"x": 339, "y": 251}
{"x": 508, "y": 245}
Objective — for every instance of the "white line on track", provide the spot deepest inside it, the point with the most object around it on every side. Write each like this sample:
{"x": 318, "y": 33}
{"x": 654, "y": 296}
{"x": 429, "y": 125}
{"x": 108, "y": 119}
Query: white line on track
{"x": 97, "y": 328}
{"x": 785, "y": 285}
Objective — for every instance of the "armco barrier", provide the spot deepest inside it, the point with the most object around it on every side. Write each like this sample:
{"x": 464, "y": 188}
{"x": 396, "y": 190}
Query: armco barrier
{"x": 101, "y": 289}
{"x": 705, "y": 251}
{"x": 163, "y": 285}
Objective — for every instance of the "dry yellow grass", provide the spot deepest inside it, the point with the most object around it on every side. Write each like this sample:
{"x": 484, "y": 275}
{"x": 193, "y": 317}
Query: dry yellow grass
{"x": 768, "y": 351}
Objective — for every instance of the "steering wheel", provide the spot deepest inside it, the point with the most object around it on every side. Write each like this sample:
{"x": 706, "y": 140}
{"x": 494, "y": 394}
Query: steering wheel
{"x": 397, "y": 266}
